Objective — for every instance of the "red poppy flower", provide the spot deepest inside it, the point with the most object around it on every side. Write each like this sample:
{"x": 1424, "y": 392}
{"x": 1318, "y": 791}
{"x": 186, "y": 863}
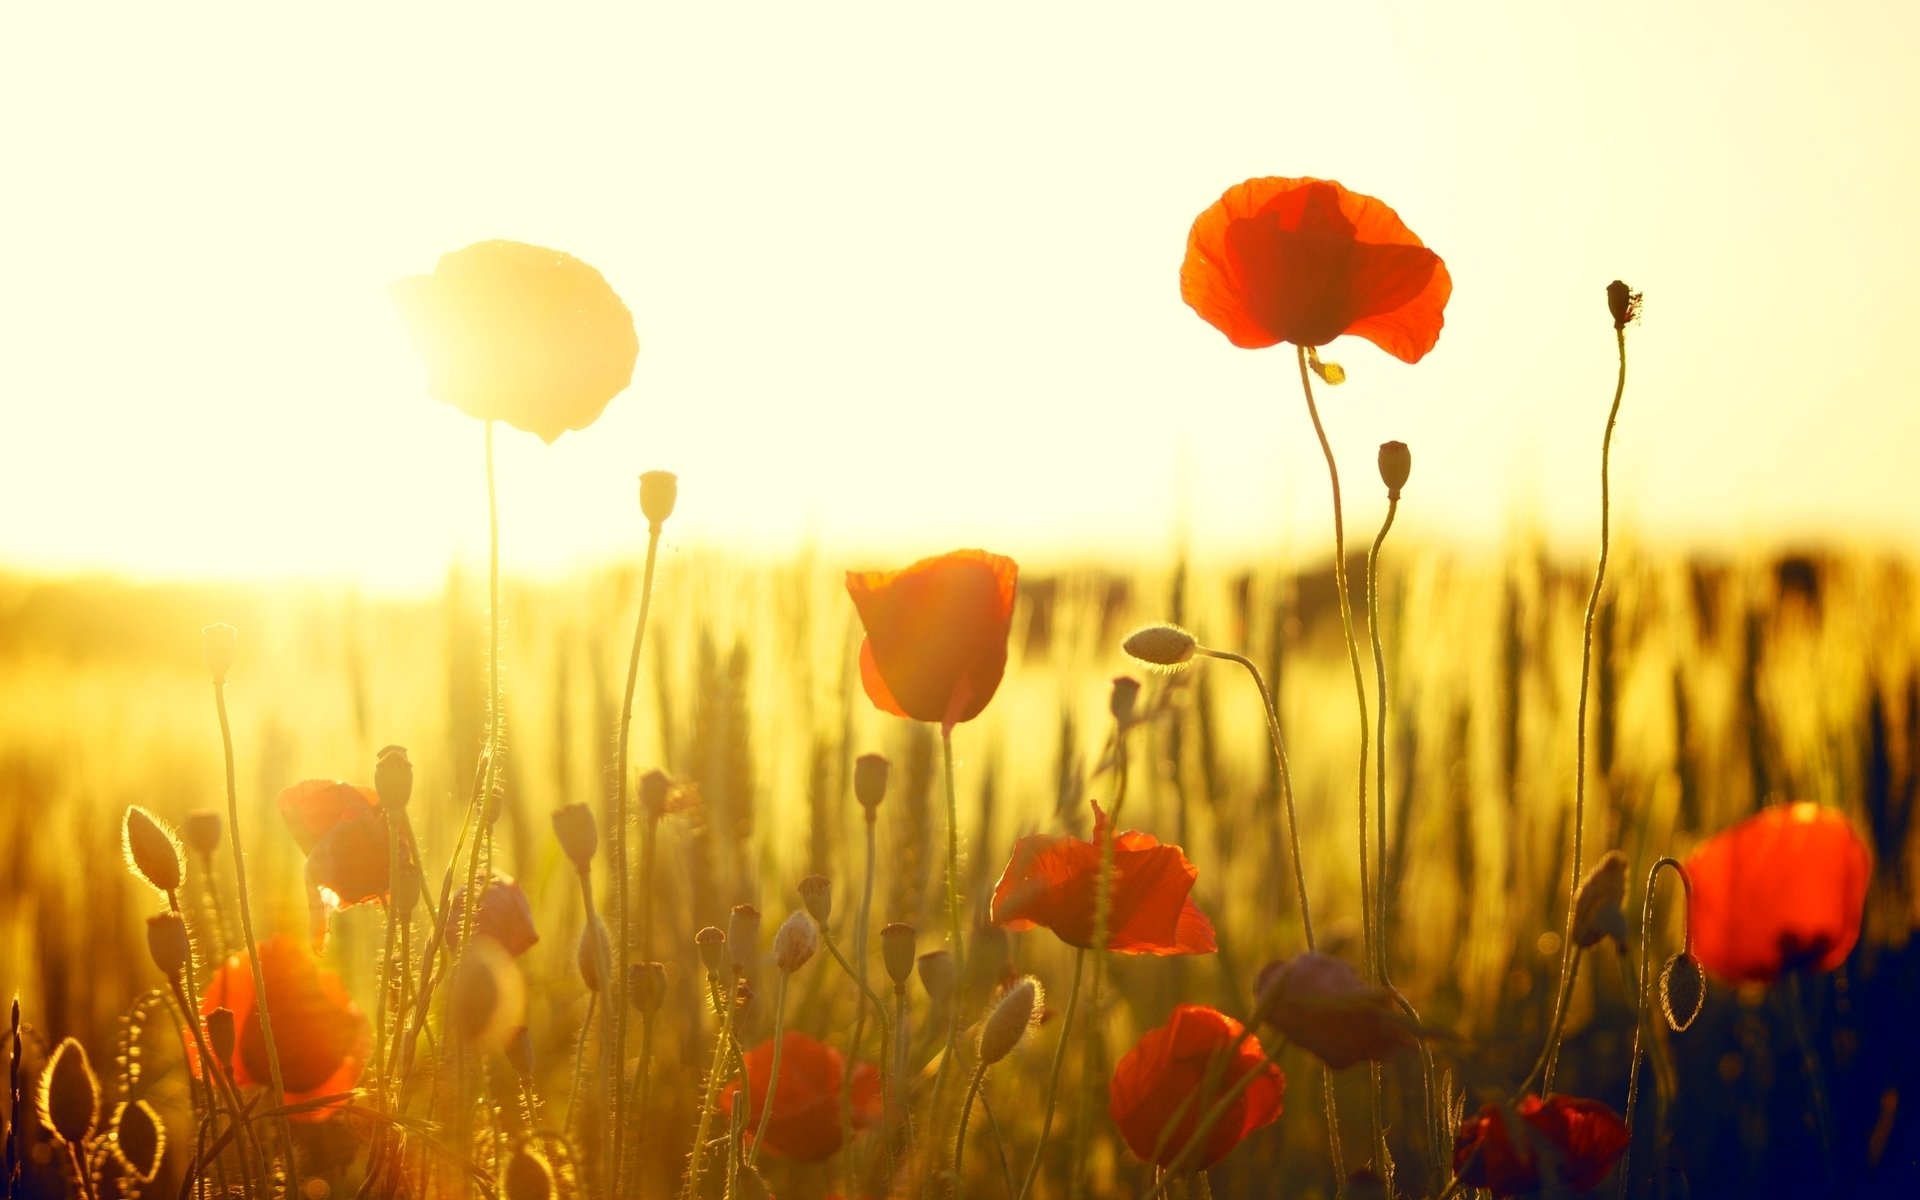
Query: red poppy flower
{"x": 1320, "y": 1002}
{"x": 1305, "y": 261}
{"x": 936, "y": 642}
{"x": 1780, "y": 891}
{"x": 323, "y": 1038}
{"x": 505, "y": 915}
{"x": 806, "y": 1105}
{"x": 1517, "y": 1151}
{"x": 522, "y": 334}
{"x": 1053, "y": 880}
{"x": 343, "y": 832}
{"x": 1159, "y": 1077}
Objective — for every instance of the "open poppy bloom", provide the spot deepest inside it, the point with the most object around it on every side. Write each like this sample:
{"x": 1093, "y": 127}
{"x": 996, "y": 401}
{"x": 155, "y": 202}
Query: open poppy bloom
{"x": 1153, "y": 1094}
{"x": 1780, "y": 891}
{"x": 1320, "y": 1002}
{"x": 522, "y": 334}
{"x": 936, "y": 643}
{"x": 323, "y": 1039}
{"x": 806, "y": 1106}
{"x": 1053, "y": 880}
{"x": 343, "y": 832}
{"x": 505, "y": 915}
{"x": 1518, "y": 1150}
{"x": 1306, "y": 261}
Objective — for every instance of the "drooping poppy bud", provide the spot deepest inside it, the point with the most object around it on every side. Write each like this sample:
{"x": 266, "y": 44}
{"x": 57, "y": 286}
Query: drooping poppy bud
{"x": 1122, "y": 698}
{"x": 167, "y": 943}
{"x": 656, "y": 793}
{"x": 1161, "y": 645}
{"x": 1683, "y": 990}
{"x": 1596, "y": 905}
{"x": 393, "y": 777}
{"x": 647, "y": 985}
{"x": 221, "y": 1032}
{"x": 203, "y": 831}
{"x": 69, "y": 1097}
{"x": 1320, "y": 1002}
{"x": 579, "y": 835}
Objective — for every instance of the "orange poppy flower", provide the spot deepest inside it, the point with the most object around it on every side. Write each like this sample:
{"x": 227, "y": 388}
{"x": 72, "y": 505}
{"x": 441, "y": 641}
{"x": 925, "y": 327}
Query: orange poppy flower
{"x": 1159, "y": 1077}
{"x": 343, "y": 832}
{"x": 1053, "y": 880}
{"x": 324, "y": 1040}
{"x": 1780, "y": 891}
{"x": 1320, "y": 1002}
{"x": 806, "y": 1106}
{"x": 1517, "y": 1151}
{"x": 1305, "y": 261}
{"x": 522, "y": 334}
{"x": 936, "y": 643}
{"x": 505, "y": 915}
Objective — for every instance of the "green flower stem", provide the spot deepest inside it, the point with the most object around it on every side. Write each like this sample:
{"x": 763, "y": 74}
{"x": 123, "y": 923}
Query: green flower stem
{"x": 580, "y": 1060}
{"x": 773, "y": 1076}
{"x": 212, "y": 1069}
{"x": 960, "y": 1140}
{"x": 1053, "y": 1079}
{"x": 707, "y": 1099}
{"x": 1643, "y": 984}
{"x": 860, "y": 927}
{"x": 853, "y": 1047}
{"x": 953, "y": 919}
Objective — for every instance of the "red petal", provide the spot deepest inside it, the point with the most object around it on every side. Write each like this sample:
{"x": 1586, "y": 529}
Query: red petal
{"x": 937, "y": 632}
{"x": 1781, "y": 890}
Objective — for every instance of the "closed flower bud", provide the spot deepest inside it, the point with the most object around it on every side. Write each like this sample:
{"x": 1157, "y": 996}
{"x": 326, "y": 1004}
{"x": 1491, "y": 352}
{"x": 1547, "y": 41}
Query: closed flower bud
{"x": 579, "y": 835}
{"x": 795, "y": 941}
{"x": 1596, "y": 906}
{"x": 139, "y": 1141}
{"x": 870, "y": 781}
{"x": 70, "y": 1094}
{"x": 658, "y": 491}
{"x": 596, "y": 948}
{"x": 713, "y": 945}
{"x": 528, "y": 1175}
{"x": 1018, "y": 1011}
{"x": 1122, "y": 699}
{"x": 647, "y": 985}
{"x": 1161, "y": 645}
{"x": 1396, "y": 463}
{"x": 896, "y": 950}
{"x": 167, "y": 943}
{"x": 743, "y": 935}
{"x": 393, "y": 777}
{"x": 203, "y": 831}
{"x": 220, "y": 1034}
{"x": 217, "y": 644}
{"x": 1683, "y": 990}
{"x": 1623, "y": 303}
{"x": 816, "y": 892}
{"x": 519, "y": 1051}
{"x": 937, "y": 974}
{"x": 152, "y": 850}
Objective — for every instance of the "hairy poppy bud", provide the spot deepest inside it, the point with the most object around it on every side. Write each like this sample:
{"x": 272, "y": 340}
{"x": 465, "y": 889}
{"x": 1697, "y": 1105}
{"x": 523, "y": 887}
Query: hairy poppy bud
{"x": 816, "y": 892}
{"x": 896, "y": 950}
{"x": 795, "y": 941}
{"x": 217, "y": 643}
{"x": 658, "y": 491}
{"x": 937, "y": 973}
{"x": 152, "y": 851}
{"x": 595, "y": 948}
{"x": 519, "y": 1051}
{"x": 220, "y": 1035}
{"x": 1121, "y": 700}
{"x": 1161, "y": 645}
{"x": 1596, "y": 906}
{"x": 1396, "y": 463}
{"x": 579, "y": 835}
{"x": 1683, "y": 990}
{"x": 139, "y": 1140}
{"x": 1623, "y": 303}
{"x": 1018, "y": 1011}
{"x": 647, "y": 985}
{"x": 167, "y": 943}
{"x": 393, "y": 777}
{"x": 528, "y": 1175}
{"x": 743, "y": 935}
{"x": 870, "y": 781}
{"x": 70, "y": 1094}
{"x": 203, "y": 831}
{"x": 713, "y": 943}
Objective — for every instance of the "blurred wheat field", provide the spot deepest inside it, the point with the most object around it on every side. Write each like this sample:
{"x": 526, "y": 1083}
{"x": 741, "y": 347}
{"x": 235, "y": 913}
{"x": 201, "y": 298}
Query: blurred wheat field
{"x": 1719, "y": 685}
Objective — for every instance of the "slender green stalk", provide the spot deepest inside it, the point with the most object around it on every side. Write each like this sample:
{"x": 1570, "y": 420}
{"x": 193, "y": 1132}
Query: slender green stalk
{"x": 1542, "y": 1071}
{"x": 953, "y": 918}
{"x": 386, "y": 964}
{"x": 580, "y": 1059}
{"x": 960, "y": 1141}
{"x": 214, "y": 1069}
{"x": 999, "y": 1145}
{"x": 902, "y": 1106}
{"x": 714, "y": 1073}
{"x": 866, "y": 994}
{"x": 1586, "y": 676}
{"x": 773, "y": 1076}
{"x": 1053, "y": 1079}
{"x": 860, "y": 1020}
{"x": 1643, "y": 984}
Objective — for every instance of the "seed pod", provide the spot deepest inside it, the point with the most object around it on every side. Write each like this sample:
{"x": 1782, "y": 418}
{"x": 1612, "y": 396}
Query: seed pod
{"x": 139, "y": 1140}
{"x": 595, "y": 948}
{"x": 743, "y": 935}
{"x": 1596, "y": 906}
{"x": 816, "y": 892}
{"x": 896, "y": 950}
{"x": 167, "y": 943}
{"x": 217, "y": 644}
{"x": 579, "y": 835}
{"x": 1396, "y": 463}
{"x": 220, "y": 1036}
{"x": 870, "y": 781}
{"x": 70, "y": 1094}
{"x": 713, "y": 944}
{"x": 656, "y": 793}
{"x": 1623, "y": 303}
{"x": 203, "y": 831}
{"x": 528, "y": 1175}
{"x": 658, "y": 492}
{"x": 647, "y": 985}
{"x": 795, "y": 941}
{"x": 1683, "y": 991}
{"x": 1161, "y": 645}
{"x": 937, "y": 974}
{"x": 151, "y": 848}
{"x": 1122, "y": 699}
{"x": 393, "y": 777}
{"x": 1018, "y": 1011}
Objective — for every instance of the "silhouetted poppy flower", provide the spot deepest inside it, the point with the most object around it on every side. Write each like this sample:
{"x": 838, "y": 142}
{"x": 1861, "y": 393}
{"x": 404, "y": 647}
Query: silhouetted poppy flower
{"x": 806, "y": 1107}
{"x": 323, "y": 1038}
{"x": 1161, "y": 1074}
{"x": 505, "y": 915}
{"x": 1519, "y": 1150}
{"x": 522, "y": 334}
{"x": 936, "y": 643}
{"x": 1780, "y": 891}
{"x": 1053, "y": 880}
{"x": 1306, "y": 261}
{"x": 343, "y": 832}
{"x": 1320, "y": 1002}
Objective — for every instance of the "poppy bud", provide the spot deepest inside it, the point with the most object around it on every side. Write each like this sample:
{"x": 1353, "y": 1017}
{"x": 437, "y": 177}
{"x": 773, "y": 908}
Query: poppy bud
{"x": 579, "y": 835}
{"x": 647, "y": 985}
{"x": 816, "y": 892}
{"x": 203, "y": 831}
{"x": 406, "y": 889}
{"x": 70, "y": 1094}
{"x": 658, "y": 491}
{"x": 1161, "y": 645}
{"x": 139, "y": 1140}
{"x": 656, "y": 790}
{"x": 870, "y": 781}
{"x": 1683, "y": 990}
{"x": 1623, "y": 303}
{"x": 1018, "y": 1011}
{"x": 712, "y": 942}
{"x": 1121, "y": 700}
{"x": 896, "y": 950}
{"x": 743, "y": 935}
{"x": 1396, "y": 463}
{"x": 794, "y": 942}
{"x": 167, "y": 943}
{"x": 937, "y": 974}
{"x": 152, "y": 851}
{"x": 1596, "y": 906}
{"x": 528, "y": 1175}
{"x": 393, "y": 777}
{"x": 519, "y": 1051}
{"x": 220, "y": 1035}
{"x": 488, "y": 994}
{"x": 217, "y": 644}
{"x": 595, "y": 948}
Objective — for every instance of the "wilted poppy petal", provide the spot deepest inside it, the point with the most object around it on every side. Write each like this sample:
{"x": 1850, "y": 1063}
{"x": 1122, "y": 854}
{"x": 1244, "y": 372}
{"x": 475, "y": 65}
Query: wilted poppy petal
{"x": 1517, "y": 1151}
{"x": 1780, "y": 891}
{"x": 1320, "y": 1002}
{"x": 806, "y": 1105}
{"x": 1154, "y": 1097}
{"x": 936, "y": 634}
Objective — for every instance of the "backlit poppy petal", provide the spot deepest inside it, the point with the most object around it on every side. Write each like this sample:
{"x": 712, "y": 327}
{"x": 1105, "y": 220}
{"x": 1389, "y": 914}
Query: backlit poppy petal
{"x": 1152, "y": 1097}
{"x": 876, "y": 684}
{"x": 1782, "y": 890}
{"x": 313, "y": 807}
{"x": 1518, "y": 1150}
{"x": 936, "y": 634}
{"x": 324, "y": 1040}
{"x": 806, "y": 1106}
{"x": 1320, "y": 1002}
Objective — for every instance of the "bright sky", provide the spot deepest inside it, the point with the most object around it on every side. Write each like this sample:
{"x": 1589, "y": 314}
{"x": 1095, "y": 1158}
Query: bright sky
{"x": 905, "y": 276}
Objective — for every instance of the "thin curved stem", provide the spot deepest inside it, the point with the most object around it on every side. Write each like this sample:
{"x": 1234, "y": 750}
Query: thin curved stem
{"x": 953, "y": 917}
{"x": 773, "y": 1077}
{"x": 960, "y": 1141}
{"x": 1644, "y": 985}
{"x": 714, "y": 1073}
{"x": 1053, "y": 1078}
{"x": 860, "y": 1021}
